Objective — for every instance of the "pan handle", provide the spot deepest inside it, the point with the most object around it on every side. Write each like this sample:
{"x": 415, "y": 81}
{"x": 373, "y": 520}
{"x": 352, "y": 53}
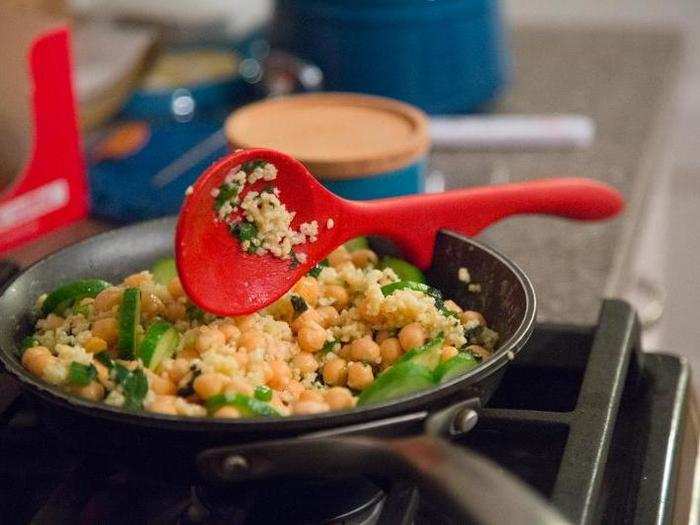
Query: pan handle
{"x": 471, "y": 488}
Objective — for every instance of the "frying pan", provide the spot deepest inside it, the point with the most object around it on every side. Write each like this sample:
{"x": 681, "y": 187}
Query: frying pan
{"x": 393, "y": 440}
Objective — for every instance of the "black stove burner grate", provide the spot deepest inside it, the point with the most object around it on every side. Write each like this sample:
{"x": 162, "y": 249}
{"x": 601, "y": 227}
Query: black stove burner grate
{"x": 600, "y": 429}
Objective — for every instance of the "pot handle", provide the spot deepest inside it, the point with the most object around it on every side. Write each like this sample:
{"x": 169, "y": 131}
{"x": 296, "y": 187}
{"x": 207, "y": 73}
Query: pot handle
{"x": 471, "y": 488}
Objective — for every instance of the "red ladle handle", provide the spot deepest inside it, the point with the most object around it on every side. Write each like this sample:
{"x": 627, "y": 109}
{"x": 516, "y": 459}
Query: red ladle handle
{"x": 412, "y": 222}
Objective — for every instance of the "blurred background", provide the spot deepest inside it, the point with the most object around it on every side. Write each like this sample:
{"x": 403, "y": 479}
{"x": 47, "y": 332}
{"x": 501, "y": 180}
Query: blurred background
{"x": 513, "y": 90}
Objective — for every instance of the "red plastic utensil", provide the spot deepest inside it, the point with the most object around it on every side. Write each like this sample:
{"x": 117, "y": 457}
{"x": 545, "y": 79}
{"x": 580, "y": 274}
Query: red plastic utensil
{"x": 221, "y": 278}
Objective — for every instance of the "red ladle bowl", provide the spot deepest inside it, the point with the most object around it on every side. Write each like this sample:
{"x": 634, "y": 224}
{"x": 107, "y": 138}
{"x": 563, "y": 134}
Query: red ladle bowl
{"x": 223, "y": 279}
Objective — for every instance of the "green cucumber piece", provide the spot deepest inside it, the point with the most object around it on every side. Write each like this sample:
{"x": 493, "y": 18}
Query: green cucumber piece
{"x": 455, "y": 366}
{"x": 247, "y": 406}
{"x": 164, "y": 270}
{"x": 159, "y": 343}
{"x": 129, "y": 319}
{"x": 64, "y": 296}
{"x": 135, "y": 387}
{"x": 404, "y": 269}
{"x": 399, "y": 380}
{"x": 427, "y": 355}
{"x": 358, "y": 243}
{"x": 80, "y": 374}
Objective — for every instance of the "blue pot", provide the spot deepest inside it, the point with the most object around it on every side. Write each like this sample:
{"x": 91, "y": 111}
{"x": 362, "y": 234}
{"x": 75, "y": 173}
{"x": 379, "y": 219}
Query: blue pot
{"x": 403, "y": 181}
{"x": 444, "y": 56}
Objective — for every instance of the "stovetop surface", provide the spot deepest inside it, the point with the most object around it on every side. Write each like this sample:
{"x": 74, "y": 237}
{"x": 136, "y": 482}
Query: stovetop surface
{"x": 582, "y": 416}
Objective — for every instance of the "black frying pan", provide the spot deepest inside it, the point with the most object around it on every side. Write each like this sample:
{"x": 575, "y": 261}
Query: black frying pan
{"x": 224, "y": 451}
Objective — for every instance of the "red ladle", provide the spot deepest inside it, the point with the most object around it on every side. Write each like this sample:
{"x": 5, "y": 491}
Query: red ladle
{"x": 221, "y": 278}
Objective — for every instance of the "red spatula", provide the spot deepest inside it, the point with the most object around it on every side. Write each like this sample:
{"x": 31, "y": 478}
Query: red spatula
{"x": 222, "y": 278}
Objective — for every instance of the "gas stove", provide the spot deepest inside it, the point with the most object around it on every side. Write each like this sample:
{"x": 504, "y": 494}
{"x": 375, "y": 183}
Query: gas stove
{"x": 606, "y": 433}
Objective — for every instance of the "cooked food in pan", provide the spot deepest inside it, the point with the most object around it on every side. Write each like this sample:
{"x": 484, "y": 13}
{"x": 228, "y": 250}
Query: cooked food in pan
{"x": 356, "y": 330}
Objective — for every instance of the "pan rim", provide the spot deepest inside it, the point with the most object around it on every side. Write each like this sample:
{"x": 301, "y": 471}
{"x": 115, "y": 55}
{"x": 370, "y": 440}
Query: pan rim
{"x": 417, "y": 401}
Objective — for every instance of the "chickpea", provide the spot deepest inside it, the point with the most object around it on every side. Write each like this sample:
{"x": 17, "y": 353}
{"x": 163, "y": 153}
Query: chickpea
{"x": 107, "y": 299}
{"x": 251, "y": 340}
{"x": 305, "y": 362}
{"x": 178, "y": 369}
{"x": 311, "y": 395}
{"x": 175, "y": 311}
{"x": 54, "y": 321}
{"x": 295, "y": 388}
{"x": 93, "y": 391}
{"x": 189, "y": 352}
{"x": 137, "y": 279}
{"x": 328, "y": 316}
{"x": 338, "y": 294}
{"x": 453, "y": 307}
{"x": 106, "y": 329}
{"x": 470, "y": 316}
{"x": 478, "y": 351}
{"x": 230, "y": 331}
{"x": 390, "y": 349}
{"x": 339, "y": 398}
{"x": 307, "y": 288}
{"x": 209, "y": 384}
{"x": 364, "y": 349}
{"x": 175, "y": 288}
{"x": 309, "y": 407}
{"x": 411, "y": 336}
{"x": 151, "y": 305}
{"x": 163, "y": 405}
{"x": 95, "y": 345}
{"x": 363, "y": 258}
{"x": 339, "y": 256}
{"x": 238, "y": 385}
{"x": 344, "y": 351}
{"x": 209, "y": 337}
{"x": 360, "y": 375}
{"x": 335, "y": 372}
{"x": 161, "y": 385}
{"x": 448, "y": 352}
{"x": 36, "y": 359}
{"x": 309, "y": 317}
{"x": 102, "y": 371}
{"x": 382, "y": 335}
{"x": 245, "y": 322}
{"x": 242, "y": 358}
{"x": 280, "y": 374}
{"x": 227, "y": 412}
{"x": 311, "y": 338}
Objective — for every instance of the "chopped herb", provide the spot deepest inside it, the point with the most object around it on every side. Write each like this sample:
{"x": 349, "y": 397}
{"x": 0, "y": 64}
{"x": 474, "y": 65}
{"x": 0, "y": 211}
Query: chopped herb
{"x": 476, "y": 356}
{"x": 29, "y": 341}
{"x": 120, "y": 373}
{"x": 448, "y": 313}
{"x": 316, "y": 270}
{"x": 294, "y": 261}
{"x": 135, "y": 389}
{"x": 80, "y": 374}
{"x": 252, "y": 165}
{"x": 82, "y": 309}
{"x": 194, "y": 313}
{"x": 263, "y": 393}
{"x": 268, "y": 189}
{"x": 104, "y": 358}
{"x": 188, "y": 389}
{"x": 329, "y": 346}
{"x": 473, "y": 335}
{"x": 227, "y": 192}
{"x": 298, "y": 303}
{"x": 245, "y": 231}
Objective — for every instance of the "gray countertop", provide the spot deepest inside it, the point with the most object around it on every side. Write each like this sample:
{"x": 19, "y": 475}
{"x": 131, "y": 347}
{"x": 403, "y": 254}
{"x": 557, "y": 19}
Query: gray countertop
{"x": 623, "y": 79}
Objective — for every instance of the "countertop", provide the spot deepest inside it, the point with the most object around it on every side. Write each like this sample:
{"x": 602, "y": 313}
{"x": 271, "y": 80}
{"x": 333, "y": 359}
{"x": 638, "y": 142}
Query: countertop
{"x": 623, "y": 79}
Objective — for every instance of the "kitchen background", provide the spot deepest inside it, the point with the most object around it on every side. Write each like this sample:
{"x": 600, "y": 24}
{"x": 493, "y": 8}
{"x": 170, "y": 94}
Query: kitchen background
{"x": 657, "y": 271}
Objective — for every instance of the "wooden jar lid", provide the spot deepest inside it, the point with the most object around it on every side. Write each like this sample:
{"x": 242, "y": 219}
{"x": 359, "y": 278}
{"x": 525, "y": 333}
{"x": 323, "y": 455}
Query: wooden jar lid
{"x": 336, "y": 135}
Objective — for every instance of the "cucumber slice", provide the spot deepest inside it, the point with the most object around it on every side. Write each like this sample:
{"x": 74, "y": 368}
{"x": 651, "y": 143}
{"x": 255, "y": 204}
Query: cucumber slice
{"x": 160, "y": 342}
{"x": 404, "y": 269}
{"x": 129, "y": 318}
{"x": 164, "y": 270}
{"x": 455, "y": 366}
{"x": 247, "y": 406}
{"x": 427, "y": 355}
{"x": 64, "y": 296}
{"x": 358, "y": 243}
{"x": 398, "y": 381}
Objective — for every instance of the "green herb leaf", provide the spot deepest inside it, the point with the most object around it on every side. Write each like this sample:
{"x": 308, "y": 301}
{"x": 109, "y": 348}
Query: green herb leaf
{"x": 251, "y": 165}
{"x": 29, "y": 341}
{"x": 298, "y": 303}
{"x": 194, "y": 313}
{"x": 119, "y": 373}
{"x": 316, "y": 270}
{"x": 329, "y": 346}
{"x": 245, "y": 231}
{"x": 104, "y": 358}
{"x": 263, "y": 393}
{"x": 80, "y": 374}
{"x": 135, "y": 389}
{"x": 227, "y": 192}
